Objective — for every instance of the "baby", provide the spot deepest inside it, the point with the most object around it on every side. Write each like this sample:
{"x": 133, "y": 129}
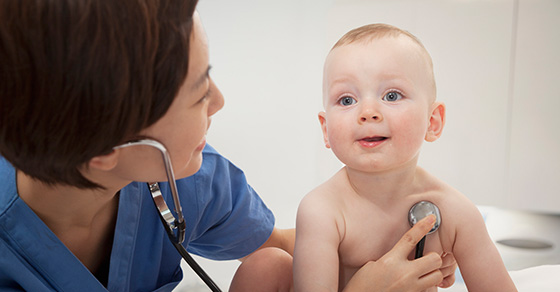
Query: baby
{"x": 379, "y": 97}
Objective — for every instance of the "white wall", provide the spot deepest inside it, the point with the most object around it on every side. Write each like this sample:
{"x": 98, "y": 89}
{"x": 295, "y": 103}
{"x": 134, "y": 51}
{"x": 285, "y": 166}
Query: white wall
{"x": 500, "y": 143}
{"x": 267, "y": 60}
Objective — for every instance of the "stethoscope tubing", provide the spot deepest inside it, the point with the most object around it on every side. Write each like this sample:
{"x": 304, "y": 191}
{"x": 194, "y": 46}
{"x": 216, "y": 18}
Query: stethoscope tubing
{"x": 178, "y": 246}
{"x": 196, "y": 267}
{"x": 169, "y": 221}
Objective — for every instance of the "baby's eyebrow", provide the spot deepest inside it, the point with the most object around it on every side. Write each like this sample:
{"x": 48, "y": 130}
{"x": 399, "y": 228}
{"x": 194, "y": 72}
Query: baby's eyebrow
{"x": 342, "y": 80}
{"x": 202, "y": 78}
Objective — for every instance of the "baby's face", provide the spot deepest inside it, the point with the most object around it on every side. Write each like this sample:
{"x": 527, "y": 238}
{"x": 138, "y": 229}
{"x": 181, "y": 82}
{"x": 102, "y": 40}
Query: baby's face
{"x": 378, "y": 97}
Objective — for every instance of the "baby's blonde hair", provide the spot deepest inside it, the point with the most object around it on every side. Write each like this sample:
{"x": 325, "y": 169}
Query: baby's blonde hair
{"x": 370, "y": 32}
{"x": 373, "y": 31}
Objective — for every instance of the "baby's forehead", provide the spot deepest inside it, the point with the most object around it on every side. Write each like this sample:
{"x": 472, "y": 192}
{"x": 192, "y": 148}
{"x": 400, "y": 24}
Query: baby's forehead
{"x": 405, "y": 51}
{"x": 401, "y": 47}
{"x": 396, "y": 40}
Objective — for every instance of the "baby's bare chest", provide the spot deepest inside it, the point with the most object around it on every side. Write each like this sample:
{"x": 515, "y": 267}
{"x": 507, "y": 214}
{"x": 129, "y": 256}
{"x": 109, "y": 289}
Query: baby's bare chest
{"x": 370, "y": 234}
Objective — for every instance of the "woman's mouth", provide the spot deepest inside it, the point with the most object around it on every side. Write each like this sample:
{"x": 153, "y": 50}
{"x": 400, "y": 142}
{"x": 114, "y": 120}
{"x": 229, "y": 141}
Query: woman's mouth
{"x": 370, "y": 142}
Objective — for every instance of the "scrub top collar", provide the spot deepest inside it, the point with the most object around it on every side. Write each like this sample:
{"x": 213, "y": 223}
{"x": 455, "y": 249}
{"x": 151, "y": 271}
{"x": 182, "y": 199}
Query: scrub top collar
{"x": 42, "y": 246}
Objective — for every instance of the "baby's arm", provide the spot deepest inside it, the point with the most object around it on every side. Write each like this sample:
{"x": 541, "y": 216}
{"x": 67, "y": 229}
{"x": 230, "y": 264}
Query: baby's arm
{"x": 316, "y": 251}
{"x": 480, "y": 263}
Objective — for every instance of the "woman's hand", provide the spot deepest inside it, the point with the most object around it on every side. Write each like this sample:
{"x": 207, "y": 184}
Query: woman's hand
{"x": 394, "y": 272}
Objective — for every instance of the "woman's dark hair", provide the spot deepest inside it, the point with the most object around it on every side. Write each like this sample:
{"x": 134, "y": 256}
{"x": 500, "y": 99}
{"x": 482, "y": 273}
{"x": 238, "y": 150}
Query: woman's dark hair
{"x": 78, "y": 77}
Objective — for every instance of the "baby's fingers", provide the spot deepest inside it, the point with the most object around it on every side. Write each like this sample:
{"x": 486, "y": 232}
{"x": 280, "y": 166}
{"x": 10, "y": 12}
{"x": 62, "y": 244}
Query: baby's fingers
{"x": 448, "y": 261}
{"x": 448, "y": 267}
{"x": 447, "y": 281}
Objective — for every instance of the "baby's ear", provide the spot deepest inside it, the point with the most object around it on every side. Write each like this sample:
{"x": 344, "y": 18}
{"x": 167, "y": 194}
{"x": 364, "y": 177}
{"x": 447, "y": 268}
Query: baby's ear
{"x": 323, "y": 121}
{"x": 437, "y": 121}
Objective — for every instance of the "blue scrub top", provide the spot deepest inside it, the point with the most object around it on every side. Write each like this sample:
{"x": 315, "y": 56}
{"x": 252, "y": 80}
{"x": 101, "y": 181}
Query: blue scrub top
{"x": 225, "y": 220}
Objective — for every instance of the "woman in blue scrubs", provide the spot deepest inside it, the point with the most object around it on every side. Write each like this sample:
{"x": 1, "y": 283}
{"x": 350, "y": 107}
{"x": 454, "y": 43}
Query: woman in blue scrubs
{"x": 79, "y": 77}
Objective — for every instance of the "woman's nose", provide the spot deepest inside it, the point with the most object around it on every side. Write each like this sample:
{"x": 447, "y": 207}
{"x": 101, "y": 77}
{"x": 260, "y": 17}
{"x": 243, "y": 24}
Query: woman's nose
{"x": 217, "y": 102}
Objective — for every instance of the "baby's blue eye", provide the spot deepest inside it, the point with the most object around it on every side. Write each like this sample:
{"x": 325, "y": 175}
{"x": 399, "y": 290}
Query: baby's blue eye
{"x": 346, "y": 101}
{"x": 392, "y": 96}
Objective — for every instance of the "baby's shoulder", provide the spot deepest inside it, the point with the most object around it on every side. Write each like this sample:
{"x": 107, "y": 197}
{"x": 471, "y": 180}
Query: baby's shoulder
{"x": 457, "y": 211}
{"x": 444, "y": 195}
{"x": 335, "y": 186}
{"x": 326, "y": 198}
{"x": 430, "y": 183}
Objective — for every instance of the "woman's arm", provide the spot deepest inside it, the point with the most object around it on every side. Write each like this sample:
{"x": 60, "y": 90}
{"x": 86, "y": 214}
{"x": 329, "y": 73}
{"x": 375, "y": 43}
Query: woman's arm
{"x": 283, "y": 239}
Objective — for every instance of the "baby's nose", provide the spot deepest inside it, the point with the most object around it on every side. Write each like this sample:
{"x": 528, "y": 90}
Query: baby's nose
{"x": 371, "y": 115}
{"x": 373, "y": 118}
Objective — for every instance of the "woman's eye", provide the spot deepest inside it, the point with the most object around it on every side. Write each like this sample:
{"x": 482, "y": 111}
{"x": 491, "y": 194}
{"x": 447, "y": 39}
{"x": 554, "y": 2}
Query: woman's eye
{"x": 346, "y": 101}
{"x": 205, "y": 96}
{"x": 392, "y": 96}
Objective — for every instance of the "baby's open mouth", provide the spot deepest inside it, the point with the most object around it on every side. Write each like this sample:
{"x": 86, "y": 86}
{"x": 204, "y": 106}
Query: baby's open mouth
{"x": 373, "y": 139}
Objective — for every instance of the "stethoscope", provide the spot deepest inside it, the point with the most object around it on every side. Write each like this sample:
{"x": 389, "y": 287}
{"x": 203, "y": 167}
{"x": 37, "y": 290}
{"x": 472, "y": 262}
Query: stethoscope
{"x": 418, "y": 212}
{"x": 175, "y": 227}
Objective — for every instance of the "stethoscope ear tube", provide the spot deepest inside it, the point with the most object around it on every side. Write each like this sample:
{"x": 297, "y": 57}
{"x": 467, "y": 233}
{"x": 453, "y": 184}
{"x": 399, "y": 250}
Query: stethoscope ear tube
{"x": 167, "y": 218}
{"x": 170, "y": 223}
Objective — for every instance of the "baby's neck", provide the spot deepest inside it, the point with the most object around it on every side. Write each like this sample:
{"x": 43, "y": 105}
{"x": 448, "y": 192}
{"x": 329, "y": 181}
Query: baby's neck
{"x": 386, "y": 186}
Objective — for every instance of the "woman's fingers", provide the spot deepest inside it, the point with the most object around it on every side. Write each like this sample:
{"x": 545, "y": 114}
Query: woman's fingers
{"x": 428, "y": 264}
{"x": 394, "y": 272}
{"x": 430, "y": 280}
{"x": 408, "y": 242}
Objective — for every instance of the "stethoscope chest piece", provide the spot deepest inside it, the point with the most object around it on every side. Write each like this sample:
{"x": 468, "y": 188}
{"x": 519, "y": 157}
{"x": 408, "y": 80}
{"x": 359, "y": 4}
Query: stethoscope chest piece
{"x": 423, "y": 209}
{"x": 418, "y": 212}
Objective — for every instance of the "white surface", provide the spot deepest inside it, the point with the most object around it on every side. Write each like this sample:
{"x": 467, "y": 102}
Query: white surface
{"x": 220, "y": 272}
{"x": 508, "y": 224}
{"x": 535, "y": 279}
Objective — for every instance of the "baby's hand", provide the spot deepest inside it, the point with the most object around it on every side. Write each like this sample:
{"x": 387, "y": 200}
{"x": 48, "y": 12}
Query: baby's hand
{"x": 448, "y": 267}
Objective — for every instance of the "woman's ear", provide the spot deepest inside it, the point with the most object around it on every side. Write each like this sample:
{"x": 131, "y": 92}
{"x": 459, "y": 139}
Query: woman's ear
{"x": 105, "y": 162}
{"x": 323, "y": 121}
{"x": 437, "y": 121}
